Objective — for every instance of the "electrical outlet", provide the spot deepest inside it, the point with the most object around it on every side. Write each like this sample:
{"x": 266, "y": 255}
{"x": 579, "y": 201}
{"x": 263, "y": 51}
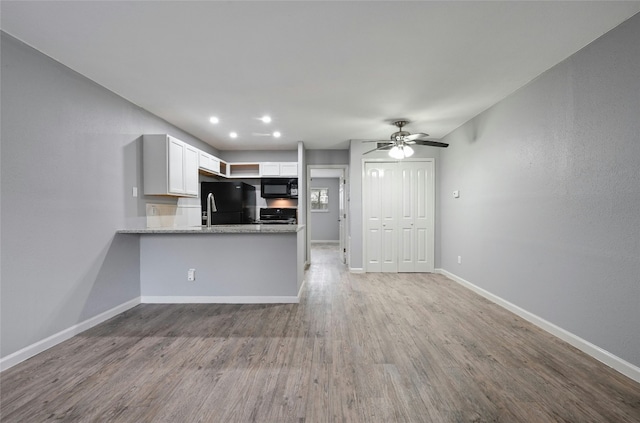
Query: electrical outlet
{"x": 456, "y": 194}
{"x": 459, "y": 259}
{"x": 191, "y": 275}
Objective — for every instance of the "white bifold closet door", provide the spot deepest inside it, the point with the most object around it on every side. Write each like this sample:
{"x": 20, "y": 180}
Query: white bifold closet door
{"x": 381, "y": 228}
{"x": 399, "y": 216}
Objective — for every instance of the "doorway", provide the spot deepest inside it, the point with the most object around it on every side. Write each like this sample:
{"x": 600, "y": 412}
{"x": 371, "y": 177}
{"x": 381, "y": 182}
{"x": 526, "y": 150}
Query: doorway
{"x": 327, "y": 206}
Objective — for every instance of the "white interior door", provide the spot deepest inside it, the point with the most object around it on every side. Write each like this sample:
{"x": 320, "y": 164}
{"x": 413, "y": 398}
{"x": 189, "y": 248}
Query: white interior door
{"x": 406, "y": 215}
{"x": 416, "y": 214}
{"x": 381, "y": 252}
{"x": 399, "y": 207}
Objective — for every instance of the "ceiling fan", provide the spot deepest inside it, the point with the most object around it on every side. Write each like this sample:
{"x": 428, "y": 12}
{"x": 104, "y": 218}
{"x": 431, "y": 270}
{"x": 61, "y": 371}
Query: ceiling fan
{"x": 400, "y": 141}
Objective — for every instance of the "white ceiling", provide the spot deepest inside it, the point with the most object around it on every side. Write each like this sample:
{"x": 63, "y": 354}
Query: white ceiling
{"x": 325, "y": 71}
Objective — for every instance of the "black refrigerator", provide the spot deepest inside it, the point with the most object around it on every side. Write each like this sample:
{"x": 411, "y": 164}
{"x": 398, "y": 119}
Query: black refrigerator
{"x": 235, "y": 202}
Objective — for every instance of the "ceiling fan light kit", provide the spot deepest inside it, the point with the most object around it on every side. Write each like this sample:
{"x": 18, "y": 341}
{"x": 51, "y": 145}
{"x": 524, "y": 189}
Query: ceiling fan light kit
{"x": 398, "y": 145}
{"x": 400, "y": 152}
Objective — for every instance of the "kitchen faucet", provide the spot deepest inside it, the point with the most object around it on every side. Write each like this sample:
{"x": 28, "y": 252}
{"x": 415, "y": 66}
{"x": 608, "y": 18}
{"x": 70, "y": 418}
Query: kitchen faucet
{"x": 211, "y": 207}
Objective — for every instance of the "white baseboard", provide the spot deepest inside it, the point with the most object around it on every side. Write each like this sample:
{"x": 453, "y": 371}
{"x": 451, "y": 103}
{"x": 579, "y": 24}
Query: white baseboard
{"x": 304, "y": 281}
{"x": 223, "y": 299}
{"x": 587, "y": 347}
{"x": 40, "y": 346}
{"x": 356, "y": 270}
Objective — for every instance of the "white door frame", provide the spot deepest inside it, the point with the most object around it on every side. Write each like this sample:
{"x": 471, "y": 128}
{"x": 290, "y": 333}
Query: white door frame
{"x": 345, "y": 192}
{"x": 364, "y": 210}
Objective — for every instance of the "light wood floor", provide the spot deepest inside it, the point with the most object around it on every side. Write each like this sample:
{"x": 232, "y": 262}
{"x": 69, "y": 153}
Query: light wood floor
{"x": 358, "y": 348}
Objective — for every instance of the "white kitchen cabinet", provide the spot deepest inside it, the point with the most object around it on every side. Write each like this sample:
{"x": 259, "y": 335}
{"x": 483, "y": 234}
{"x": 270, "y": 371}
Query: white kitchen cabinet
{"x": 191, "y": 180}
{"x": 170, "y": 166}
{"x": 209, "y": 163}
{"x": 175, "y": 168}
{"x": 204, "y": 161}
{"x": 289, "y": 169}
{"x": 278, "y": 169}
{"x": 270, "y": 169}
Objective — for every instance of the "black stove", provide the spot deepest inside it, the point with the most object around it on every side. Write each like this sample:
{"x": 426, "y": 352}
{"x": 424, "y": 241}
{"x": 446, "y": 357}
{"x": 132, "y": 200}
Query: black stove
{"x": 278, "y": 216}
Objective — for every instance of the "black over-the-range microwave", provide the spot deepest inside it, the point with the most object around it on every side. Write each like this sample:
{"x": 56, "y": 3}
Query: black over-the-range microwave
{"x": 279, "y": 187}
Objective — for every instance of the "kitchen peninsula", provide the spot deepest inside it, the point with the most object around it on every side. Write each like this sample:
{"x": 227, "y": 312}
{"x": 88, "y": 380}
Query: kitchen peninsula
{"x": 233, "y": 263}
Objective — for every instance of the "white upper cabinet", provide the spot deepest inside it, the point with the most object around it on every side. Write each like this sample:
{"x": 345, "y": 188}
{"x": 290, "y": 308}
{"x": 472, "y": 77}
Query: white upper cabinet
{"x": 170, "y": 166}
{"x": 209, "y": 163}
{"x": 289, "y": 169}
{"x": 279, "y": 169}
{"x": 270, "y": 169}
{"x": 175, "y": 168}
{"x": 191, "y": 180}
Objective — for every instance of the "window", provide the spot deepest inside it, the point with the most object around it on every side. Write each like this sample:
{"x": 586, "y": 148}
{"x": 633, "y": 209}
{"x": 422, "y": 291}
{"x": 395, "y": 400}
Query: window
{"x": 319, "y": 199}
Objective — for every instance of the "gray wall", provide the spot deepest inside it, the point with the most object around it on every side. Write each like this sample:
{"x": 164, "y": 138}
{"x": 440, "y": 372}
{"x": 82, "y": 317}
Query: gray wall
{"x": 549, "y": 211}
{"x": 327, "y": 157}
{"x": 324, "y": 225}
{"x": 70, "y": 158}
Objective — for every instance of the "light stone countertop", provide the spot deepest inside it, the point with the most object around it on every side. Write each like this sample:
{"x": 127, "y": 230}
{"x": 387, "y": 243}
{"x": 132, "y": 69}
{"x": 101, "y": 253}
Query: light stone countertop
{"x": 218, "y": 229}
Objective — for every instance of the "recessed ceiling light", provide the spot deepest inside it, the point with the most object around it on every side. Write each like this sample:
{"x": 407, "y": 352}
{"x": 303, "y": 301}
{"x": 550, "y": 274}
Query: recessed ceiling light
{"x": 233, "y": 134}
{"x": 276, "y": 134}
{"x": 266, "y": 119}
{"x": 214, "y": 120}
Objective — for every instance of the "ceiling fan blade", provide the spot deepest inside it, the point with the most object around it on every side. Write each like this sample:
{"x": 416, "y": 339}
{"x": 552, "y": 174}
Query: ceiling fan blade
{"x": 384, "y": 147}
{"x": 374, "y": 140}
{"x": 431, "y": 143}
{"x": 413, "y": 137}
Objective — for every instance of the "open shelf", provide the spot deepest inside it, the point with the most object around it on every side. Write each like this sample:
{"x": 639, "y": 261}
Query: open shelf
{"x": 244, "y": 170}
